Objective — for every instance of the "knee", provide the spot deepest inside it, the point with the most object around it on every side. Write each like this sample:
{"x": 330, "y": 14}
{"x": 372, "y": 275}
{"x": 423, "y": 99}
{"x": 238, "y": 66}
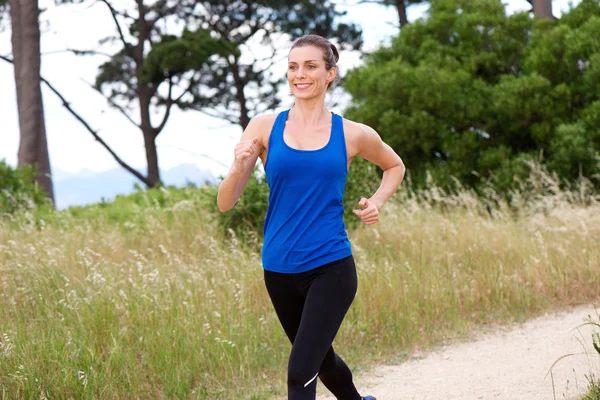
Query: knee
{"x": 300, "y": 377}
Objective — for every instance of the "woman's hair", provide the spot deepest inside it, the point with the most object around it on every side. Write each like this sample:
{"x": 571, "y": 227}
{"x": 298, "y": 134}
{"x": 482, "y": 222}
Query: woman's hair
{"x": 330, "y": 52}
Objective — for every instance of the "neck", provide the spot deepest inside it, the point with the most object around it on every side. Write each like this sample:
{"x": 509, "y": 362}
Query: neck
{"x": 309, "y": 112}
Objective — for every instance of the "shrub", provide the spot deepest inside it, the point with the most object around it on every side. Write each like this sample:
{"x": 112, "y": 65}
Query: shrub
{"x": 18, "y": 189}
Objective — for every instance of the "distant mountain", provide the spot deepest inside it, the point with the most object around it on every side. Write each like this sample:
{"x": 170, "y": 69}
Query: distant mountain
{"x": 88, "y": 187}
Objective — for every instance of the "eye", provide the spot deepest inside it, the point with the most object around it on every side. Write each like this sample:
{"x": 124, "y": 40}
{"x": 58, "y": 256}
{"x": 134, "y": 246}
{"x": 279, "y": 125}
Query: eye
{"x": 292, "y": 67}
{"x": 311, "y": 66}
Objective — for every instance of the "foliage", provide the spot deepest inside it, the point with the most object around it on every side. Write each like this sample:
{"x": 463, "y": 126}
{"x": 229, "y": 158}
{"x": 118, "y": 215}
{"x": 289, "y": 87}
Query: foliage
{"x": 470, "y": 92}
{"x": 19, "y": 190}
{"x": 124, "y": 209}
{"x": 173, "y": 56}
{"x": 363, "y": 181}
{"x": 170, "y": 59}
{"x": 246, "y": 219}
{"x": 248, "y": 86}
{"x": 204, "y": 63}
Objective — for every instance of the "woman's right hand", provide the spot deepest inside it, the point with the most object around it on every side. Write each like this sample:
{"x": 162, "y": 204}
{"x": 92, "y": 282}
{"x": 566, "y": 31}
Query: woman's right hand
{"x": 243, "y": 155}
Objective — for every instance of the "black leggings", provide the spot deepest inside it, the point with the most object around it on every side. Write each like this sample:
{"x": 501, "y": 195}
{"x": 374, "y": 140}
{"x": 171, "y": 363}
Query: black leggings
{"x": 311, "y": 307}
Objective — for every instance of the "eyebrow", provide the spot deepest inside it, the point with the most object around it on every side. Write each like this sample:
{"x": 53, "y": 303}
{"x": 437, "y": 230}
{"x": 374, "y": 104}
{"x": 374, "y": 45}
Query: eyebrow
{"x": 307, "y": 61}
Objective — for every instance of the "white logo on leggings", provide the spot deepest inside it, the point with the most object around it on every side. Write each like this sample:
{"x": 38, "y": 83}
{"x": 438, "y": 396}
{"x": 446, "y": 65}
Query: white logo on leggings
{"x": 313, "y": 378}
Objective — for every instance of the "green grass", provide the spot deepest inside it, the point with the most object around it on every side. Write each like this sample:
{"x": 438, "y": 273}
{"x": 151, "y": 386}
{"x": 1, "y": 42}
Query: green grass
{"x": 593, "y": 381}
{"x": 153, "y": 303}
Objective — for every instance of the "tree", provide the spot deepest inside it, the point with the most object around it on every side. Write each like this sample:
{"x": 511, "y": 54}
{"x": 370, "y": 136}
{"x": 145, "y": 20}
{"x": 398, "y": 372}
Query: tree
{"x": 128, "y": 82}
{"x": 401, "y": 7}
{"x": 33, "y": 147}
{"x": 247, "y": 85}
{"x": 542, "y": 8}
{"x": 131, "y": 82}
{"x": 470, "y": 92}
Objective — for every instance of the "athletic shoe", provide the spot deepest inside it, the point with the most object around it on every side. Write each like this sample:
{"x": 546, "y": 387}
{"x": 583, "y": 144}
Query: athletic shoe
{"x": 368, "y": 398}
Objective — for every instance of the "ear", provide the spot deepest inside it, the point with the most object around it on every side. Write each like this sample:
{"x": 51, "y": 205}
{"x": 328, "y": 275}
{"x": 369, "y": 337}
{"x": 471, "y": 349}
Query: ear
{"x": 331, "y": 75}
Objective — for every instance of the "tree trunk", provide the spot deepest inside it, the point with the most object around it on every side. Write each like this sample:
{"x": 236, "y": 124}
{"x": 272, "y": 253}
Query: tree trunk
{"x": 542, "y": 8}
{"x": 239, "y": 93}
{"x": 33, "y": 147}
{"x": 44, "y": 168}
{"x": 401, "y": 7}
{"x": 144, "y": 93}
{"x": 153, "y": 173}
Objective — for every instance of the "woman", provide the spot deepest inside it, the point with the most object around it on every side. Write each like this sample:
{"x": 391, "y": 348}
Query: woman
{"x": 307, "y": 259}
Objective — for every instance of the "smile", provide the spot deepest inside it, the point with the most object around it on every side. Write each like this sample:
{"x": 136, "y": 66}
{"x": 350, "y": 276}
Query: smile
{"x": 302, "y": 86}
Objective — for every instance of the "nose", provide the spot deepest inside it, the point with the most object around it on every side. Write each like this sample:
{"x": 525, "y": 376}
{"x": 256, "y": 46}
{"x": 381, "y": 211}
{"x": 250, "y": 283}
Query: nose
{"x": 300, "y": 71}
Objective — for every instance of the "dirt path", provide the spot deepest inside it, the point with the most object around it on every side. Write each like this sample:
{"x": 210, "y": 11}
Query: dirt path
{"x": 508, "y": 364}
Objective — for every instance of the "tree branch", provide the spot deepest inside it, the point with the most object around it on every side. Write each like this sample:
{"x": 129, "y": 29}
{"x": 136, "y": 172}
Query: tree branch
{"x": 159, "y": 15}
{"x": 167, "y": 111}
{"x": 79, "y": 52}
{"x": 66, "y": 104}
{"x": 380, "y": 2}
{"x": 113, "y": 104}
{"x": 235, "y": 121}
{"x": 114, "y": 13}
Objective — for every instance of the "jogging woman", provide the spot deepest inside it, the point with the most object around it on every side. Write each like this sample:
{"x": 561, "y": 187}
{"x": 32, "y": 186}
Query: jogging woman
{"x": 308, "y": 266}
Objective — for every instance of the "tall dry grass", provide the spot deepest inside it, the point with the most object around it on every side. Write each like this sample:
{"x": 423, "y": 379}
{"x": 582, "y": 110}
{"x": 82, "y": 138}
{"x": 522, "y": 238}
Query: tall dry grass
{"x": 161, "y": 308}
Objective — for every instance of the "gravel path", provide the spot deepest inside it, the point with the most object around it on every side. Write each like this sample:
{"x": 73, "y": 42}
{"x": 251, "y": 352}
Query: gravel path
{"x": 507, "y": 364}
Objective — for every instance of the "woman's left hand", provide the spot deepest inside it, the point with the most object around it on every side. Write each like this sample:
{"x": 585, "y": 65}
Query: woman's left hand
{"x": 369, "y": 213}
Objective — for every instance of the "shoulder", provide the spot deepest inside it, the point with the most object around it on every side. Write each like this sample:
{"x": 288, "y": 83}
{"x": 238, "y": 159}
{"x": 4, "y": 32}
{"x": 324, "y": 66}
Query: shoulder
{"x": 264, "y": 120}
{"x": 259, "y": 126}
{"x": 358, "y": 134}
{"x": 356, "y": 128}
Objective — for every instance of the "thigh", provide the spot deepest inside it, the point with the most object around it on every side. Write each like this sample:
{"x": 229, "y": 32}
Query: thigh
{"x": 287, "y": 301}
{"x": 327, "y": 302}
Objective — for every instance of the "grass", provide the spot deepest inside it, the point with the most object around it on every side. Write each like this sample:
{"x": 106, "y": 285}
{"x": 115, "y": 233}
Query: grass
{"x": 161, "y": 307}
{"x": 593, "y": 389}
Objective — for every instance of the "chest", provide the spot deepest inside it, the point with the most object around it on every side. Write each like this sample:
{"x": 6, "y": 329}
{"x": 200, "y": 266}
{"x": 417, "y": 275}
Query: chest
{"x": 312, "y": 138}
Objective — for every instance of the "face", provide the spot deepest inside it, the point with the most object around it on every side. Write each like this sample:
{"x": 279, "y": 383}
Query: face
{"x": 307, "y": 72}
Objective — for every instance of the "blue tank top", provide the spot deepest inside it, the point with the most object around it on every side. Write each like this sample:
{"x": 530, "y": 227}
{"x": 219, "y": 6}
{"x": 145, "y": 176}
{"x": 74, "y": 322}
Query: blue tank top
{"x": 304, "y": 226}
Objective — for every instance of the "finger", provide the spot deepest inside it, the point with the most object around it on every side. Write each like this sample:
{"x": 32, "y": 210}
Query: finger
{"x": 364, "y": 203}
{"x": 369, "y": 212}
{"x": 362, "y": 213}
{"x": 252, "y": 147}
{"x": 243, "y": 149}
{"x": 244, "y": 155}
{"x": 370, "y": 221}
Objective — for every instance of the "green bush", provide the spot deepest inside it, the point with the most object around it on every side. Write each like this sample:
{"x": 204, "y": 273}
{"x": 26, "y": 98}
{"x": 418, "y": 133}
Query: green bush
{"x": 248, "y": 215}
{"x": 363, "y": 181}
{"x": 18, "y": 189}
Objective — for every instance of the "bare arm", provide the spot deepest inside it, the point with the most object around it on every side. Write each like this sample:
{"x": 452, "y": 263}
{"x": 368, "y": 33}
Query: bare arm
{"x": 373, "y": 149}
{"x": 247, "y": 152}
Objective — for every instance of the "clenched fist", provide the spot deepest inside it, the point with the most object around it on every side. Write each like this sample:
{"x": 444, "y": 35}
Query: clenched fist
{"x": 369, "y": 213}
{"x": 244, "y": 152}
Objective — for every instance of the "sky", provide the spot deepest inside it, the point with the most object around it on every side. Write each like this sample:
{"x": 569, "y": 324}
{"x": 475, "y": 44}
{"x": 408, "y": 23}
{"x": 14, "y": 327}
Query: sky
{"x": 189, "y": 137}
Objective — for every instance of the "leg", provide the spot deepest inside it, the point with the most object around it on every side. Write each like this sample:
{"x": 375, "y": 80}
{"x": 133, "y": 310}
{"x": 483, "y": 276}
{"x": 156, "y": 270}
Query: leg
{"x": 337, "y": 377}
{"x": 287, "y": 301}
{"x": 329, "y": 296}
